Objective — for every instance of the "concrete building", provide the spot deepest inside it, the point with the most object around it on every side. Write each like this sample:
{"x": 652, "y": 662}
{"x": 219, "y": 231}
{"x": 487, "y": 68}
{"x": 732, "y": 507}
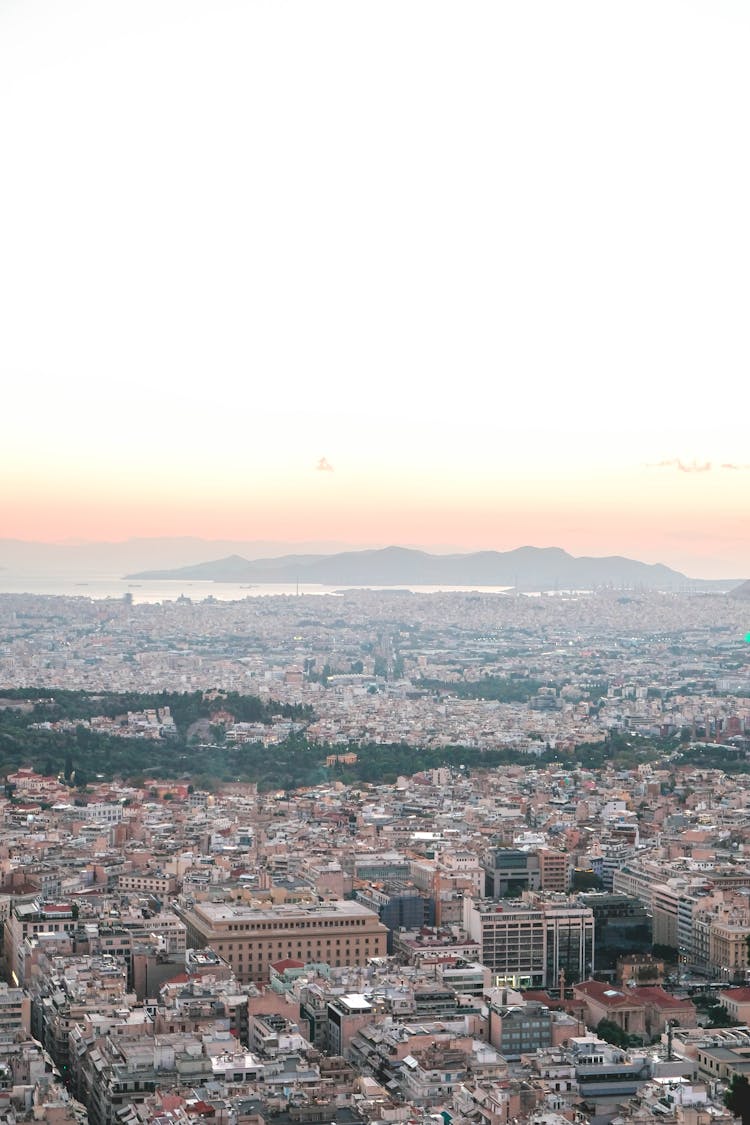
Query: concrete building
{"x": 249, "y": 938}
{"x": 346, "y": 1015}
{"x": 728, "y": 949}
{"x": 510, "y": 871}
{"x": 528, "y": 944}
{"x": 15, "y": 1013}
{"x": 27, "y": 919}
{"x": 399, "y": 906}
{"x": 516, "y": 1029}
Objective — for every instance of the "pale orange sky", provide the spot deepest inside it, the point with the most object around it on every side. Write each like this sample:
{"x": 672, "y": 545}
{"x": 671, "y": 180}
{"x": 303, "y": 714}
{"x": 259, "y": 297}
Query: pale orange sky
{"x": 489, "y": 260}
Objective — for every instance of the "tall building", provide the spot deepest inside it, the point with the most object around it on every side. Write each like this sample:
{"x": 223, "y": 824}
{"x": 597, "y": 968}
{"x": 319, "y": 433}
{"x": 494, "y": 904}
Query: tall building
{"x": 622, "y": 925}
{"x": 250, "y": 938}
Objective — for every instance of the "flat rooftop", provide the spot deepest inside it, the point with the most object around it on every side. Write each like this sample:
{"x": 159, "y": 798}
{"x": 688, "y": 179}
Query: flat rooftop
{"x": 239, "y": 912}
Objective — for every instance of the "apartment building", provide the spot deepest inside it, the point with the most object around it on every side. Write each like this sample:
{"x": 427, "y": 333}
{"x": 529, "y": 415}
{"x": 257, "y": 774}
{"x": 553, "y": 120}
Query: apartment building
{"x": 149, "y": 882}
{"x": 554, "y": 871}
{"x": 728, "y": 949}
{"x": 15, "y": 1013}
{"x": 29, "y": 918}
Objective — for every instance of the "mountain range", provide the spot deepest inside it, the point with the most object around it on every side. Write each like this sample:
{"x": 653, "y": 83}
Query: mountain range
{"x": 531, "y": 568}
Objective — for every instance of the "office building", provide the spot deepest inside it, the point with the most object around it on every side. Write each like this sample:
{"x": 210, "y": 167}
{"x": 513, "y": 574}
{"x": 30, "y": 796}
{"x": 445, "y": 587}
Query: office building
{"x": 249, "y": 938}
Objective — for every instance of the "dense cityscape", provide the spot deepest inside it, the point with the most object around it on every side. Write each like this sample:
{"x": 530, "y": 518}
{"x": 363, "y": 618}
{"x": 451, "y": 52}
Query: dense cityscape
{"x": 374, "y": 542}
{"x": 376, "y": 857}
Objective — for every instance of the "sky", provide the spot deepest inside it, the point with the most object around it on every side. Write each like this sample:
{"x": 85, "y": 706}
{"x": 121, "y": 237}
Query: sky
{"x": 469, "y": 274}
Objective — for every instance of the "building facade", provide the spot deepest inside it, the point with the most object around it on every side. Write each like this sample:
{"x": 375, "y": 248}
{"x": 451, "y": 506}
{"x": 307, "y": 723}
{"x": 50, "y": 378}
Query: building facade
{"x": 250, "y": 938}
{"x": 529, "y": 944}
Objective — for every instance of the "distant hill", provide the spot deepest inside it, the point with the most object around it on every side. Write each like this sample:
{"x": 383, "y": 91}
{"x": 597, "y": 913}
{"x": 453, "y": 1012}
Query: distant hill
{"x": 742, "y": 592}
{"x": 530, "y": 568}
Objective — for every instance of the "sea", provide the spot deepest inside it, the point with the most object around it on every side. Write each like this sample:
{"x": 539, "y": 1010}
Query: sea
{"x": 100, "y": 586}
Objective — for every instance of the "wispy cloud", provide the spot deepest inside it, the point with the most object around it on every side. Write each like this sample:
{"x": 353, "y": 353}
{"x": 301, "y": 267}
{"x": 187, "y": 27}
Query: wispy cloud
{"x": 696, "y": 466}
{"x": 683, "y": 466}
{"x": 324, "y": 465}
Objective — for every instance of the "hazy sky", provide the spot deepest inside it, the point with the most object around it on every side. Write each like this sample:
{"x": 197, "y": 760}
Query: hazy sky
{"x": 421, "y": 272}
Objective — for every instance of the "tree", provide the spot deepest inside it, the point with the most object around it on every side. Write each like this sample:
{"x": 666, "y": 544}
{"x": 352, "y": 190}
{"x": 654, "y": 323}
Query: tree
{"x": 611, "y": 1032}
{"x": 720, "y": 1017}
{"x": 737, "y": 1098}
{"x": 667, "y": 953}
{"x": 585, "y": 880}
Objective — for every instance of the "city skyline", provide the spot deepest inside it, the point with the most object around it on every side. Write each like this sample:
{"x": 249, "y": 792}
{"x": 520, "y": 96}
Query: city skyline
{"x": 378, "y": 274}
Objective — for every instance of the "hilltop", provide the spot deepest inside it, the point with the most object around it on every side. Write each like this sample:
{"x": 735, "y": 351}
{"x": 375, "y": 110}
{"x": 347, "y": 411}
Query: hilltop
{"x": 538, "y": 568}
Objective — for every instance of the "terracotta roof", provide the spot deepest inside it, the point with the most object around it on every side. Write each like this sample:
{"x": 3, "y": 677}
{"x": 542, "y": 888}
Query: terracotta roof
{"x": 605, "y": 994}
{"x": 741, "y": 995}
{"x": 631, "y": 997}
{"x": 170, "y": 1101}
{"x": 287, "y": 963}
{"x": 203, "y": 1109}
{"x": 180, "y": 978}
{"x": 653, "y": 994}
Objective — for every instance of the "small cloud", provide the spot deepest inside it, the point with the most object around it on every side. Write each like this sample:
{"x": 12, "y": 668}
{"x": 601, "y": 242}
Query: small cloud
{"x": 695, "y": 467}
{"x": 683, "y": 466}
{"x": 735, "y": 468}
{"x": 324, "y": 465}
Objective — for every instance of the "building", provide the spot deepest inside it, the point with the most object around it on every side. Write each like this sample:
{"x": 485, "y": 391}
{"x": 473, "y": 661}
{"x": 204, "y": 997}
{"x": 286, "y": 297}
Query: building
{"x": 148, "y": 882}
{"x": 516, "y": 1029}
{"x": 621, "y": 925}
{"x": 15, "y": 1013}
{"x": 728, "y": 938}
{"x": 645, "y": 1011}
{"x": 346, "y": 1015}
{"x": 510, "y": 871}
{"x": 529, "y": 944}
{"x": 737, "y": 1003}
{"x": 399, "y": 906}
{"x": 29, "y": 918}
{"x": 554, "y": 871}
{"x": 249, "y": 938}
